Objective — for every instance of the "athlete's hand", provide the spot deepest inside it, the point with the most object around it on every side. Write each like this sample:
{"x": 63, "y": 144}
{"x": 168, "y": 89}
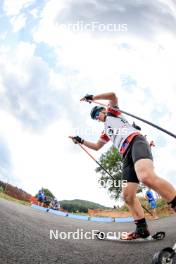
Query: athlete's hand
{"x": 87, "y": 98}
{"x": 77, "y": 139}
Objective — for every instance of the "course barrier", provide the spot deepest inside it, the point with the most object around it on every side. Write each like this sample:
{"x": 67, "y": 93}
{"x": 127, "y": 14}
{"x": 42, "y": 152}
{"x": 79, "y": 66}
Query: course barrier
{"x": 83, "y": 217}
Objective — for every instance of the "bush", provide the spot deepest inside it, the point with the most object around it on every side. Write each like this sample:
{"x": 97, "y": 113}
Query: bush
{"x": 2, "y": 184}
{"x": 1, "y": 189}
{"x": 14, "y": 192}
{"x": 123, "y": 208}
{"x": 161, "y": 203}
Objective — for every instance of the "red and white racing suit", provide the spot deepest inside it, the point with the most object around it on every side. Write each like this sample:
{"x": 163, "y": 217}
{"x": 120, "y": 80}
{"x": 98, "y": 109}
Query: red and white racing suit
{"x": 118, "y": 130}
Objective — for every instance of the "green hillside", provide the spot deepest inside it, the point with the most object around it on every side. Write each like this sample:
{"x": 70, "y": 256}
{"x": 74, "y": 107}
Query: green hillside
{"x": 80, "y": 205}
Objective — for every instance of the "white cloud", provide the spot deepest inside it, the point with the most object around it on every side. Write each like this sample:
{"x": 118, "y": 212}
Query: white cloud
{"x": 18, "y": 22}
{"x": 24, "y": 76}
{"x": 3, "y": 35}
{"x": 34, "y": 12}
{"x": 13, "y": 8}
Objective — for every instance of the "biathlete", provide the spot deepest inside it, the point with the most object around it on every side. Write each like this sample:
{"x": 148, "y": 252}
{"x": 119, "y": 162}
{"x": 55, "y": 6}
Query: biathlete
{"x": 136, "y": 157}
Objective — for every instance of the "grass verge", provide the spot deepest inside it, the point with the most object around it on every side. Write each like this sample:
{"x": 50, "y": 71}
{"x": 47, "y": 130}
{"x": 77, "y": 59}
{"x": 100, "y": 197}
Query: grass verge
{"x": 9, "y": 198}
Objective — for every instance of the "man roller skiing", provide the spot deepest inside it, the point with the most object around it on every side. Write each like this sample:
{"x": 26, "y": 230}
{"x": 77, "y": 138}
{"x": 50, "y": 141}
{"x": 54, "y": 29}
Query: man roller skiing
{"x": 136, "y": 157}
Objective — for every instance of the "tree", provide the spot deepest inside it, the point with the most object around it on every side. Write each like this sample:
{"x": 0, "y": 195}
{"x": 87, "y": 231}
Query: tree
{"x": 48, "y": 193}
{"x": 112, "y": 162}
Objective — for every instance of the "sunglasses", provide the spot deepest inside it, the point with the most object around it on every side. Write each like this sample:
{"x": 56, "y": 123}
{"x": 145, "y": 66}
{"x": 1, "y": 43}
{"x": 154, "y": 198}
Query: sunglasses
{"x": 97, "y": 114}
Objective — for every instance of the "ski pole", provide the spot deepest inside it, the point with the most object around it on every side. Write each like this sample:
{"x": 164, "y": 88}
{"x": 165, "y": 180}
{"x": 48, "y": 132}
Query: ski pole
{"x": 96, "y": 161}
{"x": 146, "y": 210}
{"x": 141, "y": 119}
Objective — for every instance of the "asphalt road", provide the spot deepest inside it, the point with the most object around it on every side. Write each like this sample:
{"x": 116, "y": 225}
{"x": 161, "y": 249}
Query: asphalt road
{"x": 25, "y": 238}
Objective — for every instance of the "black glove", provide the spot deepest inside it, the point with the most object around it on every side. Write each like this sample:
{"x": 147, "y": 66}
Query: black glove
{"x": 135, "y": 126}
{"x": 78, "y": 139}
{"x": 88, "y": 97}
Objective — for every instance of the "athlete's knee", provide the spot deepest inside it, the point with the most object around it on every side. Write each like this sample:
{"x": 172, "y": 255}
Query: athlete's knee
{"x": 129, "y": 198}
{"x": 145, "y": 175}
{"x": 148, "y": 179}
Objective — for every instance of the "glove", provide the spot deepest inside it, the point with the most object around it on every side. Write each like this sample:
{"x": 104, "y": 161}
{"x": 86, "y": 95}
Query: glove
{"x": 135, "y": 126}
{"x": 88, "y": 98}
{"x": 77, "y": 140}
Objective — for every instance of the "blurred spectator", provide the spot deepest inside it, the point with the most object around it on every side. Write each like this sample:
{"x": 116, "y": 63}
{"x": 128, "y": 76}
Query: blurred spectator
{"x": 41, "y": 197}
{"x": 54, "y": 204}
{"x": 152, "y": 202}
{"x": 47, "y": 201}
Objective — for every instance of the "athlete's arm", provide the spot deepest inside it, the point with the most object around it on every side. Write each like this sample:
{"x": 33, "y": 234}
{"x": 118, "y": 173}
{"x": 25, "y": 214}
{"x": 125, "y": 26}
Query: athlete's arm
{"x": 96, "y": 146}
{"x": 99, "y": 144}
{"x": 113, "y": 101}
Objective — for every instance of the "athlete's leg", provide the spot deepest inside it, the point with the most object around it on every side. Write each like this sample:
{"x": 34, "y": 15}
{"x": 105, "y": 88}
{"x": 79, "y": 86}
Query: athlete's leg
{"x": 145, "y": 172}
{"x": 133, "y": 203}
{"x": 143, "y": 165}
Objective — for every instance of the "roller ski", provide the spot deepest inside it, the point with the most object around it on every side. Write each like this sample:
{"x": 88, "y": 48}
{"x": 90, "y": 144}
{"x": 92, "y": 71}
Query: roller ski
{"x": 165, "y": 256}
{"x": 126, "y": 237}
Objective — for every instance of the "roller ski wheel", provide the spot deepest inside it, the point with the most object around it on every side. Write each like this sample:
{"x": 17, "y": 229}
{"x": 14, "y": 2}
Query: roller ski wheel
{"x": 165, "y": 256}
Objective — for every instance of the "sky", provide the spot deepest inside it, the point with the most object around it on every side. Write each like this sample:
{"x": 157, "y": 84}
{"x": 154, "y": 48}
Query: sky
{"x": 54, "y": 52}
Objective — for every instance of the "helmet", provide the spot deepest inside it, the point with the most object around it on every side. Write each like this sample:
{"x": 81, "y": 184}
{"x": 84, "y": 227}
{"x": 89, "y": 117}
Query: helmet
{"x": 94, "y": 111}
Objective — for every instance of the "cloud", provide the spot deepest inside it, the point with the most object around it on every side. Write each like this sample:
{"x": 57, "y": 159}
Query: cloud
{"x": 6, "y": 163}
{"x": 18, "y": 22}
{"x": 36, "y": 94}
{"x": 13, "y": 8}
{"x": 144, "y": 18}
{"x": 28, "y": 91}
{"x": 5, "y": 159}
{"x": 128, "y": 83}
{"x": 30, "y": 103}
